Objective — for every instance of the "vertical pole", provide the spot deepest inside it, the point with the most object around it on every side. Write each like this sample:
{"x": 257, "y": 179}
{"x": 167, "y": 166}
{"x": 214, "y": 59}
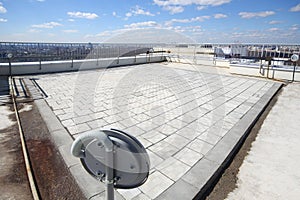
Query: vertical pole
{"x": 260, "y": 66}
{"x": 262, "y": 51}
{"x": 194, "y": 59}
{"x": 9, "y": 56}
{"x": 150, "y": 53}
{"x": 294, "y": 71}
{"x": 9, "y": 62}
{"x": 269, "y": 63}
{"x": 72, "y": 55}
{"x": 109, "y": 179}
{"x": 118, "y": 55}
{"x": 72, "y": 59}
{"x": 40, "y": 59}
{"x": 135, "y": 53}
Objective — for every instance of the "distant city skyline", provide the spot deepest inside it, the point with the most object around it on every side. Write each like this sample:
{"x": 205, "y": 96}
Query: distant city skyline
{"x": 202, "y": 21}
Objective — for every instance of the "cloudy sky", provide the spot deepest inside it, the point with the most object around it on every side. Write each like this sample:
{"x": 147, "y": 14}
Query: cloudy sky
{"x": 205, "y": 21}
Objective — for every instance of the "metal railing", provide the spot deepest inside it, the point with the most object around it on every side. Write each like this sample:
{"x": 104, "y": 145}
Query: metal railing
{"x": 250, "y": 51}
{"x": 39, "y": 52}
{"x": 34, "y": 52}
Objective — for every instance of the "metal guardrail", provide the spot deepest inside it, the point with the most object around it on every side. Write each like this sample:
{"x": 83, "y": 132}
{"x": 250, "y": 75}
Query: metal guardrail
{"x": 236, "y": 52}
{"x": 39, "y": 52}
{"x": 33, "y": 52}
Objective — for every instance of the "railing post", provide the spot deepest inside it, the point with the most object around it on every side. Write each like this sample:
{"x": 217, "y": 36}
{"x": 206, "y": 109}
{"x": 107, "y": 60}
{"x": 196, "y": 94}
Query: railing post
{"x": 72, "y": 57}
{"x": 118, "y": 55}
{"x": 40, "y": 59}
{"x": 135, "y": 53}
{"x": 269, "y": 59}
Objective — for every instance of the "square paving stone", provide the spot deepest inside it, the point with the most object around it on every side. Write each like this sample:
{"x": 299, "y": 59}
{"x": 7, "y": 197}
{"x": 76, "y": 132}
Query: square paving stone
{"x": 177, "y": 140}
{"x": 164, "y": 149}
{"x": 173, "y": 168}
{"x": 188, "y": 156}
{"x": 156, "y": 184}
{"x": 200, "y": 146}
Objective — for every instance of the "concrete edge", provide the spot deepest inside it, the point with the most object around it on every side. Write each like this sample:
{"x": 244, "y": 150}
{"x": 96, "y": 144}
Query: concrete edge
{"x": 231, "y": 143}
{"x": 31, "y": 68}
{"x": 62, "y": 140}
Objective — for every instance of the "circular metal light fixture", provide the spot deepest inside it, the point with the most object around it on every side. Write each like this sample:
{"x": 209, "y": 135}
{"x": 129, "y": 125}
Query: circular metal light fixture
{"x": 113, "y": 157}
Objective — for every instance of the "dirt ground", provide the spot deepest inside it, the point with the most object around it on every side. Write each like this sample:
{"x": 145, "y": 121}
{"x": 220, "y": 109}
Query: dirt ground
{"x": 52, "y": 176}
{"x": 13, "y": 179}
{"x": 227, "y": 183}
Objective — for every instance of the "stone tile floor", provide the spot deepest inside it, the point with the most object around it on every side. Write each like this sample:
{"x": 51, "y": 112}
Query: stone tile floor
{"x": 178, "y": 115}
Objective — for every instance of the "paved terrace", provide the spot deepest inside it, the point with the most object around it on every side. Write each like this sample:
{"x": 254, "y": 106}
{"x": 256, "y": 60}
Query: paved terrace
{"x": 188, "y": 120}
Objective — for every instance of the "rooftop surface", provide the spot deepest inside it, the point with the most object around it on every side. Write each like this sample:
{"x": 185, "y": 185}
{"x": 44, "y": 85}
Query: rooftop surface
{"x": 189, "y": 118}
{"x": 270, "y": 169}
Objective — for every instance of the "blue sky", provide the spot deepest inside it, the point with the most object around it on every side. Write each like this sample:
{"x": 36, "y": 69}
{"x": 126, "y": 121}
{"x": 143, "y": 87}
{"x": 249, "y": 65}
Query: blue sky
{"x": 205, "y": 21}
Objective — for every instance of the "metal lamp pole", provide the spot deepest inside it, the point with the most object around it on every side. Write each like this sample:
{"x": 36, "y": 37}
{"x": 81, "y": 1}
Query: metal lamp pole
{"x": 294, "y": 59}
{"x": 9, "y": 56}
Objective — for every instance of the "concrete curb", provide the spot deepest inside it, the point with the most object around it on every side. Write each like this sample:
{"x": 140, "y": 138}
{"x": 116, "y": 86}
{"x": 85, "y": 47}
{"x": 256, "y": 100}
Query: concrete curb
{"x": 63, "y": 141}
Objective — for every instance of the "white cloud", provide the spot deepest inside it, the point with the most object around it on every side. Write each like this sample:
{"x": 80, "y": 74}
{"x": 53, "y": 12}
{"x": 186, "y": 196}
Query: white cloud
{"x": 71, "y": 20}
{"x": 115, "y": 14}
{"x": 177, "y": 6}
{"x": 145, "y": 32}
{"x": 220, "y": 16}
{"x": 275, "y": 22}
{"x": 2, "y": 9}
{"x": 34, "y": 30}
{"x": 105, "y": 34}
{"x": 174, "y": 9}
{"x": 190, "y": 2}
{"x": 273, "y": 29}
{"x": 46, "y": 25}
{"x": 294, "y": 27}
{"x": 195, "y": 19}
{"x": 295, "y": 8}
{"x": 83, "y": 15}
{"x": 138, "y": 11}
{"x": 187, "y": 29}
{"x": 200, "y": 18}
{"x": 70, "y": 31}
{"x": 128, "y": 14}
{"x": 141, "y": 25}
{"x": 248, "y": 15}
{"x": 40, "y": 0}
{"x": 201, "y": 7}
{"x": 3, "y": 20}
{"x": 170, "y": 22}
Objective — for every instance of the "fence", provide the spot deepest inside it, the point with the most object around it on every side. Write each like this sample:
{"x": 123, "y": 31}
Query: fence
{"x": 33, "y": 52}
{"x": 30, "y": 52}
